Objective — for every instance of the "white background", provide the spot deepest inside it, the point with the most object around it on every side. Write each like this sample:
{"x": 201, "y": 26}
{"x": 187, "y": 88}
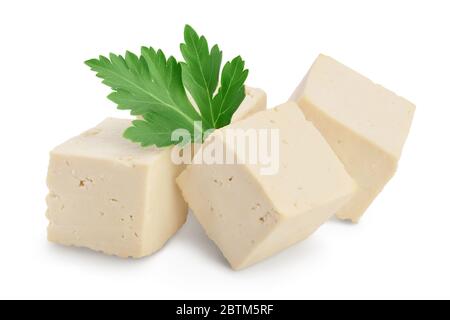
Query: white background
{"x": 400, "y": 249}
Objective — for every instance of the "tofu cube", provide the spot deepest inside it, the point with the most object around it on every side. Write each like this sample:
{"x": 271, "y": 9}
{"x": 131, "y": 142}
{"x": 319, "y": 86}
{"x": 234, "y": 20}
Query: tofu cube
{"x": 364, "y": 123}
{"x": 251, "y": 216}
{"x": 255, "y": 100}
{"x": 111, "y": 195}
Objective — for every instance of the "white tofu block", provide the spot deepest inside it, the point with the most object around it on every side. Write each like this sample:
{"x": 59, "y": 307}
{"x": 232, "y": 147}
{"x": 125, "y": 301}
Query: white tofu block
{"x": 255, "y": 100}
{"x": 111, "y": 195}
{"x": 364, "y": 123}
{"x": 251, "y": 216}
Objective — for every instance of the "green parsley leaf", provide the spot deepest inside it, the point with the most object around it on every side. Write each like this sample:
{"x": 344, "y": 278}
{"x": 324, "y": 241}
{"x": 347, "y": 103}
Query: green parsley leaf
{"x": 201, "y": 76}
{"x": 231, "y": 92}
{"x": 201, "y": 71}
{"x": 154, "y": 129}
{"x": 154, "y": 87}
{"x": 149, "y": 85}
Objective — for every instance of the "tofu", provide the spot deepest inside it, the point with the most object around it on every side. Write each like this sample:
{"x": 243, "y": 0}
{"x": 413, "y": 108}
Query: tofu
{"x": 251, "y": 216}
{"x": 111, "y": 195}
{"x": 364, "y": 123}
{"x": 255, "y": 100}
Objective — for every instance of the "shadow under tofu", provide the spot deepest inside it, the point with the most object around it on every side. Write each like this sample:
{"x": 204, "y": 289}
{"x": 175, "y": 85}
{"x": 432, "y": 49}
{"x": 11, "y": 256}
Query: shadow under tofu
{"x": 336, "y": 220}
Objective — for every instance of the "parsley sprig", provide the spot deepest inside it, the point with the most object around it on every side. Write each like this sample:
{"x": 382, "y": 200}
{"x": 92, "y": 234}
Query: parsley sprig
{"x": 155, "y": 87}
